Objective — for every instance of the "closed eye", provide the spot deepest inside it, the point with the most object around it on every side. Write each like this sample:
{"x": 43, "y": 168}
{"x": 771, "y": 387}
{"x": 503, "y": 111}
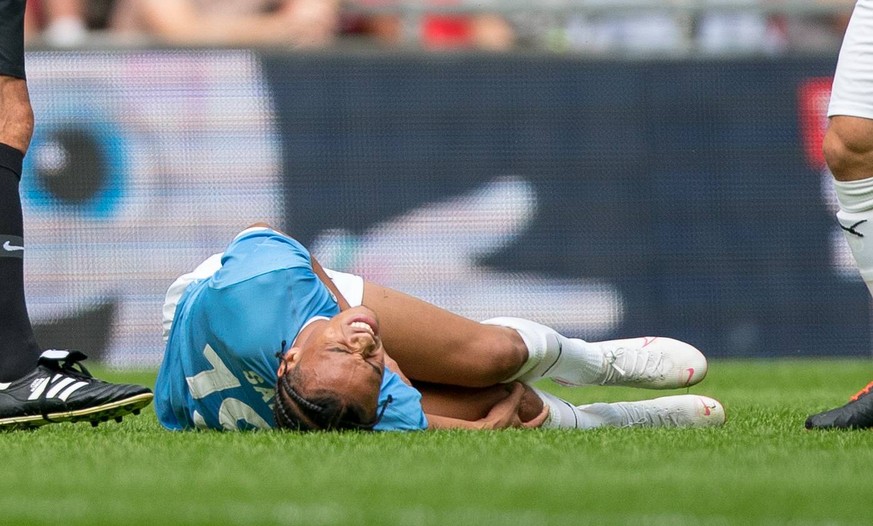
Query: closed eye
{"x": 346, "y": 351}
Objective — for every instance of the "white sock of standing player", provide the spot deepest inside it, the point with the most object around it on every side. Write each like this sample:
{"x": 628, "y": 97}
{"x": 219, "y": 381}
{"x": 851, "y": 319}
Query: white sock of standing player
{"x": 856, "y": 220}
{"x": 653, "y": 363}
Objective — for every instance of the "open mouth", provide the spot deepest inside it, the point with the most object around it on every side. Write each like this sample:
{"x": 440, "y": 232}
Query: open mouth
{"x": 365, "y": 324}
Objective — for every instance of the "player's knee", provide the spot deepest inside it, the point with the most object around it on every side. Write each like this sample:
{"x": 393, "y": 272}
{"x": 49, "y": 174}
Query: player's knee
{"x": 848, "y": 149}
{"x": 500, "y": 353}
{"x": 835, "y": 153}
{"x": 16, "y": 114}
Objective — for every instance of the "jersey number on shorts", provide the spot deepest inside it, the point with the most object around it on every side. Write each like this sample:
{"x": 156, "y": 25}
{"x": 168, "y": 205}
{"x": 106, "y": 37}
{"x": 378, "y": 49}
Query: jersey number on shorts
{"x": 219, "y": 378}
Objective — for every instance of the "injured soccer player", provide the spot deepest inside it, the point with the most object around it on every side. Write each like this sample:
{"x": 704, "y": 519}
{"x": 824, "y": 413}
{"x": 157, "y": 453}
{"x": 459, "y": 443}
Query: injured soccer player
{"x": 261, "y": 336}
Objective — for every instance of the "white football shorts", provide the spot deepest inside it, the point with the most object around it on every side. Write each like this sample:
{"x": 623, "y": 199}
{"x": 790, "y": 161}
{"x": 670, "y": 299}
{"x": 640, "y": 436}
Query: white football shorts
{"x": 852, "y": 92}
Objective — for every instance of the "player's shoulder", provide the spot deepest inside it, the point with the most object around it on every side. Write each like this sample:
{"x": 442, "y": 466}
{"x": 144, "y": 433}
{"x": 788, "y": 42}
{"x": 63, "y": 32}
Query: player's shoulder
{"x": 260, "y": 254}
{"x": 267, "y": 245}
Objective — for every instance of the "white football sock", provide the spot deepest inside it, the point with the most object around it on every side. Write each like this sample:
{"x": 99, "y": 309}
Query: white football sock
{"x": 549, "y": 353}
{"x": 563, "y": 414}
{"x": 856, "y": 219}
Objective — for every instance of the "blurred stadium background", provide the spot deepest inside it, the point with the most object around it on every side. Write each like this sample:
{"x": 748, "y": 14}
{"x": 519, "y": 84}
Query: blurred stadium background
{"x": 621, "y": 168}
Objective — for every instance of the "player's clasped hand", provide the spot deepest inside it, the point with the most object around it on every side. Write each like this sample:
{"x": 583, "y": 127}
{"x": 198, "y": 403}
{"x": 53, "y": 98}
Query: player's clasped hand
{"x": 506, "y": 412}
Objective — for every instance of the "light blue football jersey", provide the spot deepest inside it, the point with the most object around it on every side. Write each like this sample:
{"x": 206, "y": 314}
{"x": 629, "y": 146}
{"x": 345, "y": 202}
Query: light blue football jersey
{"x": 220, "y": 365}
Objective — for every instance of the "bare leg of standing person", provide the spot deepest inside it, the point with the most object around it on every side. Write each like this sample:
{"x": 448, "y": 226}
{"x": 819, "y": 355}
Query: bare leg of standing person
{"x": 848, "y": 150}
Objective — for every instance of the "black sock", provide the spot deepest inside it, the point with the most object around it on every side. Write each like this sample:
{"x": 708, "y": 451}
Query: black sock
{"x": 18, "y": 349}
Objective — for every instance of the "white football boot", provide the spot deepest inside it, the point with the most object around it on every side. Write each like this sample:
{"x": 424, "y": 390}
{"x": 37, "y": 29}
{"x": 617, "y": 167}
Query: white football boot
{"x": 649, "y": 362}
{"x": 666, "y": 411}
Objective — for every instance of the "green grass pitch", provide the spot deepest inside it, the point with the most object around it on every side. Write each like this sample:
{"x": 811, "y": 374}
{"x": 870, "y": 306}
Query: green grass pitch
{"x": 762, "y": 467}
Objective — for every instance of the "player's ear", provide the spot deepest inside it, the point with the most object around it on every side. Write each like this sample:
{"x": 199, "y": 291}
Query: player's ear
{"x": 289, "y": 360}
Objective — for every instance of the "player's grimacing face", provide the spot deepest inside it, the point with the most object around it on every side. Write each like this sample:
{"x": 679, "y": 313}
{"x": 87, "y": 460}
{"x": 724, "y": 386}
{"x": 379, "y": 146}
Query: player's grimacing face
{"x": 345, "y": 355}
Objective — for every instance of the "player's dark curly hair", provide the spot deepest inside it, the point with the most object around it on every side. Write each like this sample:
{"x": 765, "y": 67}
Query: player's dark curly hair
{"x": 321, "y": 410}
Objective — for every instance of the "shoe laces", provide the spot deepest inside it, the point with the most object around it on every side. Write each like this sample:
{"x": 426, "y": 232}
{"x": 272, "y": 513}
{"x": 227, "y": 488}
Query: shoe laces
{"x": 632, "y": 364}
{"x": 70, "y": 365}
{"x": 866, "y": 390}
